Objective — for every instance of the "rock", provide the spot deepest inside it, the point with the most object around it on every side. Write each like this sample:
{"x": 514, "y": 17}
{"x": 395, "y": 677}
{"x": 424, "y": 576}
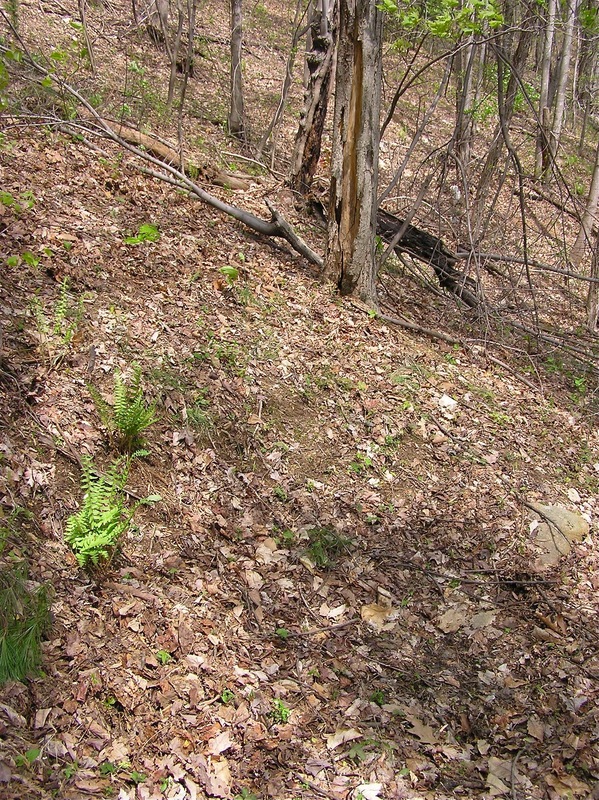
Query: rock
{"x": 558, "y": 528}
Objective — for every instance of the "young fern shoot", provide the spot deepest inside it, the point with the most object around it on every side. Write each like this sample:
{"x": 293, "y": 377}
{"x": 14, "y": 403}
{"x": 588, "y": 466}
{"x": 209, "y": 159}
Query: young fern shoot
{"x": 130, "y": 415}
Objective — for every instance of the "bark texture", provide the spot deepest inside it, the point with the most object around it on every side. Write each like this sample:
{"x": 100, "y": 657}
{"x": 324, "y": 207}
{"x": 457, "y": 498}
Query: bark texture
{"x": 319, "y": 68}
{"x": 350, "y": 261}
{"x": 236, "y": 119}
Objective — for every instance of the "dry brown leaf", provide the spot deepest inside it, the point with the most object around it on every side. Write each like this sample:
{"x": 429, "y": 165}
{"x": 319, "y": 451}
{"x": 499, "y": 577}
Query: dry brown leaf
{"x": 536, "y": 728}
{"x": 341, "y": 737}
{"x": 453, "y": 619}
{"x": 378, "y": 616}
{"x": 567, "y": 786}
{"x": 424, "y": 732}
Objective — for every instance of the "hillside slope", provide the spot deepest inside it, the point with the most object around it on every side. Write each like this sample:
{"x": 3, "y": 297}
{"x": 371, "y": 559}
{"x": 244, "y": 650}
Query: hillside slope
{"x": 339, "y": 594}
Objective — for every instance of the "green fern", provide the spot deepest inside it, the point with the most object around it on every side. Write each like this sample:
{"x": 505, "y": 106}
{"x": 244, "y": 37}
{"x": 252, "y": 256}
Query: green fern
{"x": 24, "y": 617}
{"x": 93, "y": 533}
{"x": 130, "y": 415}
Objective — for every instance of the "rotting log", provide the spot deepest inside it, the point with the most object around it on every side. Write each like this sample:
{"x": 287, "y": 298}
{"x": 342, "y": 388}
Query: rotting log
{"x": 430, "y": 250}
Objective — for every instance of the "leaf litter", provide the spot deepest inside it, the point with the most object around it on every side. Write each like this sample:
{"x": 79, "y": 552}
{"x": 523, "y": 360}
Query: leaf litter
{"x": 428, "y": 658}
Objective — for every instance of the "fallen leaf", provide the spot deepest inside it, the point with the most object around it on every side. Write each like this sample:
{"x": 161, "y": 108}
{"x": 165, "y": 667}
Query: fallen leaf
{"x": 536, "y": 728}
{"x": 453, "y": 619}
{"x": 483, "y": 619}
{"x": 567, "y": 786}
{"x": 369, "y": 791}
{"x": 341, "y": 736}
{"x": 220, "y": 743}
{"x": 499, "y": 776}
{"x": 424, "y": 732}
{"x": 215, "y": 776}
{"x": 379, "y": 617}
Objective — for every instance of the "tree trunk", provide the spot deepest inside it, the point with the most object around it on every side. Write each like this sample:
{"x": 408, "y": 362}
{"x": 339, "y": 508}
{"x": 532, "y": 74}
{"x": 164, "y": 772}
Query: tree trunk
{"x": 464, "y": 123}
{"x": 588, "y": 218}
{"x": 542, "y": 140}
{"x": 562, "y": 82}
{"x": 319, "y": 66}
{"x": 236, "y": 120}
{"x": 506, "y": 110}
{"x": 350, "y": 259}
{"x": 593, "y": 295}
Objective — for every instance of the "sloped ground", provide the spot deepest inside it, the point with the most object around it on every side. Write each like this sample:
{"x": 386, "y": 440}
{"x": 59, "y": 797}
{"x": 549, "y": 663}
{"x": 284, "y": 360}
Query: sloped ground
{"x": 428, "y": 656}
{"x": 418, "y": 653}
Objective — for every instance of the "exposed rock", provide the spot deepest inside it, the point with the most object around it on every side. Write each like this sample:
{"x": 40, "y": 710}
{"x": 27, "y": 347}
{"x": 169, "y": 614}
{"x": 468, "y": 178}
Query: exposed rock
{"x": 558, "y": 528}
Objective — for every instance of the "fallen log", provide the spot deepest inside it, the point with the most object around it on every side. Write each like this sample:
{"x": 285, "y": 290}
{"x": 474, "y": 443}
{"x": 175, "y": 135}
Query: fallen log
{"x": 430, "y": 250}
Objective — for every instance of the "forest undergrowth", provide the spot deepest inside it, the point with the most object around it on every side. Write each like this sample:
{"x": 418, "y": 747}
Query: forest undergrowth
{"x": 336, "y": 589}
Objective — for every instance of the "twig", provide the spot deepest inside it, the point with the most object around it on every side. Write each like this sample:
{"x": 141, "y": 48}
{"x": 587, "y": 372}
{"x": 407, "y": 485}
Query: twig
{"x": 411, "y": 326}
{"x": 316, "y": 788}
{"x": 326, "y": 628}
{"x": 514, "y": 372}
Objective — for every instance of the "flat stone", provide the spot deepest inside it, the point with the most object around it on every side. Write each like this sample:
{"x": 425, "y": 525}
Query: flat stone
{"x": 558, "y": 528}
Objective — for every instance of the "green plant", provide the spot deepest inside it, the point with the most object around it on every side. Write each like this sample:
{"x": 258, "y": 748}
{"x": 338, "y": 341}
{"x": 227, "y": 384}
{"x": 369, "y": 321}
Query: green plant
{"x": 70, "y": 770}
{"x": 226, "y": 696}
{"x": 282, "y": 633}
{"x": 245, "y": 794}
{"x": 24, "y": 617}
{"x": 325, "y": 544}
{"x": 280, "y": 493}
{"x": 378, "y": 697}
{"x": 130, "y": 415}
{"x": 60, "y": 329}
{"x": 361, "y": 463}
{"x": 280, "y": 712}
{"x": 198, "y": 415}
{"x": 27, "y": 759}
{"x": 108, "y": 768}
{"x": 145, "y": 233}
{"x": 95, "y": 530}
{"x": 231, "y": 274}
{"x": 137, "y": 777}
{"x": 164, "y": 657}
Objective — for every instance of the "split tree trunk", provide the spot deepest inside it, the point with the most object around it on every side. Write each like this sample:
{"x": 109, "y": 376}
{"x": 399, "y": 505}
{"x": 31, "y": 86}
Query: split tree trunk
{"x": 350, "y": 261}
{"x": 319, "y": 67}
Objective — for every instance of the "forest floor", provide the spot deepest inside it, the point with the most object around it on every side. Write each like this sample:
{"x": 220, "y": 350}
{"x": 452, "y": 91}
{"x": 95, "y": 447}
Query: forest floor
{"x": 339, "y": 594}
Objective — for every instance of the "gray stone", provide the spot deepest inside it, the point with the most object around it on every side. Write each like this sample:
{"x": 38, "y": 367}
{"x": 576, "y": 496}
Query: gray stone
{"x": 558, "y": 528}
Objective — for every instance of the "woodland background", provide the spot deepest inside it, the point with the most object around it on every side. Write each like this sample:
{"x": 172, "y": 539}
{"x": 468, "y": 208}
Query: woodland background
{"x": 298, "y": 363}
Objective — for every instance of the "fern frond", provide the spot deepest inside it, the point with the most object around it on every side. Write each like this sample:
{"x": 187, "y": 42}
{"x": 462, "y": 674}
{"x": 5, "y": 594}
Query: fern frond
{"x": 94, "y": 531}
{"x": 103, "y": 408}
{"x": 130, "y": 415}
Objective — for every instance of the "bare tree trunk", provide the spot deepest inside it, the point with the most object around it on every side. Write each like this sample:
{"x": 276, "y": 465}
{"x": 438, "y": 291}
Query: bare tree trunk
{"x": 593, "y": 295}
{"x": 319, "y": 64}
{"x": 517, "y": 64}
{"x": 88, "y": 43}
{"x": 464, "y": 123}
{"x": 350, "y": 259}
{"x": 562, "y": 82}
{"x": 589, "y": 217}
{"x": 173, "y": 53}
{"x": 542, "y": 139}
{"x": 236, "y": 120}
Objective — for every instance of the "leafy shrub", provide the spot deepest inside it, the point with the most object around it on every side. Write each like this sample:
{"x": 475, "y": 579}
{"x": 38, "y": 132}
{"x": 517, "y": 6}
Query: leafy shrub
{"x": 94, "y": 531}
{"x": 130, "y": 415}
